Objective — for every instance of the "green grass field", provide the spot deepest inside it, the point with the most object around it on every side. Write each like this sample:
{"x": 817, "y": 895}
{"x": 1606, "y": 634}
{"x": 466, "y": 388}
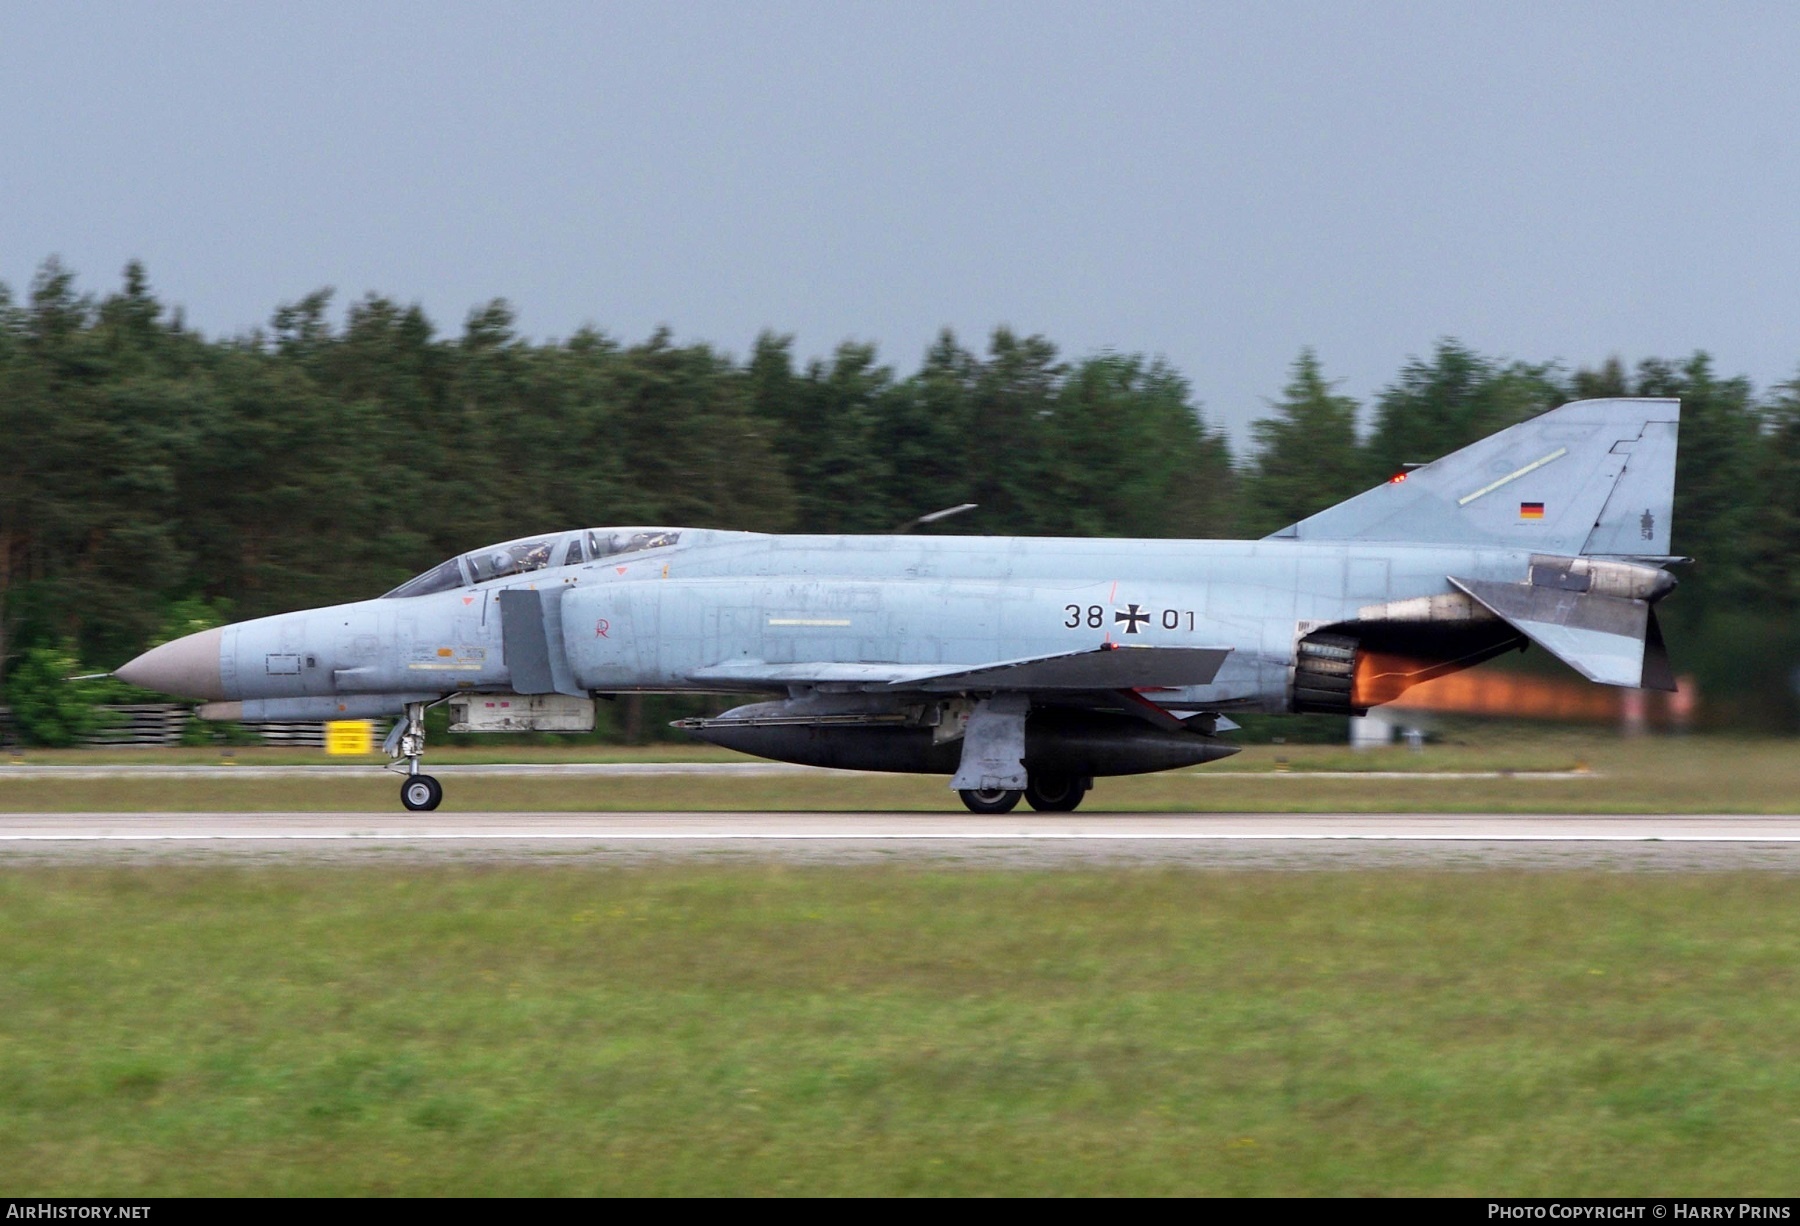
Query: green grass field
{"x": 692, "y": 1029}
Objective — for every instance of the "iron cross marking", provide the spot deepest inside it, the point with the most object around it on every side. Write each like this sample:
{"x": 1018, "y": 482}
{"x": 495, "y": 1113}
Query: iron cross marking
{"x": 1131, "y": 618}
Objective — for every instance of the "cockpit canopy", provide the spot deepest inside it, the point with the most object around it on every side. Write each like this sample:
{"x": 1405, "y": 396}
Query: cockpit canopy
{"x": 531, "y": 553}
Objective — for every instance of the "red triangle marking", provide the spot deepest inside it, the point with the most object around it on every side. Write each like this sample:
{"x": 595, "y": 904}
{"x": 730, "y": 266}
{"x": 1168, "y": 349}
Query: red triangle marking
{"x": 620, "y": 569}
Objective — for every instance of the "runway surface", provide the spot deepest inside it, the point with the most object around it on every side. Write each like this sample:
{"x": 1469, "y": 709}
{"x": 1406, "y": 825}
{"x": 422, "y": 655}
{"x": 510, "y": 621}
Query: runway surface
{"x": 1020, "y": 840}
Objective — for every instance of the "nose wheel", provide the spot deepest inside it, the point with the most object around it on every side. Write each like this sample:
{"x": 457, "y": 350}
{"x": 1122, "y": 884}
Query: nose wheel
{"x": 406, "y": 746}
{"x": 421, "y": 792}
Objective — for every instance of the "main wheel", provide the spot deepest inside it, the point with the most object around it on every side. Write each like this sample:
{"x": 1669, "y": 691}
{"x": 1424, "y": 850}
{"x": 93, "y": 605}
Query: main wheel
{"x": 421, "y": 792}
{"x": 1055, "y": 793}
{"x": 989, "y": 800}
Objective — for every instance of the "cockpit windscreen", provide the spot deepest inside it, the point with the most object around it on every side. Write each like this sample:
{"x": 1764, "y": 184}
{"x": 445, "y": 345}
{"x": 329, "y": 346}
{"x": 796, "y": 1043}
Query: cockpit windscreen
{"x": 444, "y": 577}
{"x": 533, "y": 553}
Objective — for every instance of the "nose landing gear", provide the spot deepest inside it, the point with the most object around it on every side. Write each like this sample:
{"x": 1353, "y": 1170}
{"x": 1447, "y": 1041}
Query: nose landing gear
{"x": 418, "y": 792}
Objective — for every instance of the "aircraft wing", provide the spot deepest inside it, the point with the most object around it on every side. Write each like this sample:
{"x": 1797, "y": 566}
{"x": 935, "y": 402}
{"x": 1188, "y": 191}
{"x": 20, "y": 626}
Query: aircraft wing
{"x": 1104, "y": 668}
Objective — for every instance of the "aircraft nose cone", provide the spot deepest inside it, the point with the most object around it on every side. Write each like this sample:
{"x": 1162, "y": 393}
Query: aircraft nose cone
{"x": 188, "y": 667}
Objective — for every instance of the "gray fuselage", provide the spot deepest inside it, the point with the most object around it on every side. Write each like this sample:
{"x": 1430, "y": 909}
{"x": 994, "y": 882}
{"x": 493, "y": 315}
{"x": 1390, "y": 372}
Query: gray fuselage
{"x": 703, "y": 615}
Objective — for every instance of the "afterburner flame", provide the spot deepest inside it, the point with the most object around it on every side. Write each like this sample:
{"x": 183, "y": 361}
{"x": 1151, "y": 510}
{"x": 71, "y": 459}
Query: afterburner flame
{"x": 1427, "y": 685}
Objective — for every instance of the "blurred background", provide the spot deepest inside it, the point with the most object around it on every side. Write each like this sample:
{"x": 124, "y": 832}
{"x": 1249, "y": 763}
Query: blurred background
{"x": 1154, "y": 270}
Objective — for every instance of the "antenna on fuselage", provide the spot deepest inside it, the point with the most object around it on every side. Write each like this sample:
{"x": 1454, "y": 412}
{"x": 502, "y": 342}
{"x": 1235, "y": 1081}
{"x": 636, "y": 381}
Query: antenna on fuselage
{"x": 932, "y": 518}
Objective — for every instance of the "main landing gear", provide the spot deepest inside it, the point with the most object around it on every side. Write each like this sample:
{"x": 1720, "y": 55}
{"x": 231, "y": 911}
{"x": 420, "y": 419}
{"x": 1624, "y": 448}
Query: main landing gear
{"x": 418, "y": 792}
{"x": 1056, "y": 793}
{"x": 1045, "y": 793}
{"x": 989, "y": 800}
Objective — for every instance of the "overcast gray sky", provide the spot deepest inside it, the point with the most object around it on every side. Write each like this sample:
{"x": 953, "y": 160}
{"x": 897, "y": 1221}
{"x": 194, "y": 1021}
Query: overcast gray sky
{"x": 1220, "y": 184}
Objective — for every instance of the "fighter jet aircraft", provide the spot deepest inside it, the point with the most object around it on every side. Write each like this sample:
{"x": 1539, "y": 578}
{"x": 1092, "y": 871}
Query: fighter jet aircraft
{"x": 1018, "y": 666}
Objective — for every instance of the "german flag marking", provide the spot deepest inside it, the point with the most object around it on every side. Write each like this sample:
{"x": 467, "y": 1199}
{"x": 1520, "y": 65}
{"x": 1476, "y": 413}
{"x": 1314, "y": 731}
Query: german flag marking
{"x": 1531, "y": 510}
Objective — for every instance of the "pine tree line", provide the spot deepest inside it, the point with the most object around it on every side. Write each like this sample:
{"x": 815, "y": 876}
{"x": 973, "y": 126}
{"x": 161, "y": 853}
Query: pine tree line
{"x": 157, "y": 480}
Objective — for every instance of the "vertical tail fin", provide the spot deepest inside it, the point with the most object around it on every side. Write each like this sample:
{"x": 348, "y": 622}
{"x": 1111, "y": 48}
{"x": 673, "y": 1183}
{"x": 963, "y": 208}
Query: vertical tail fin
{"x": 1593, "y": 477}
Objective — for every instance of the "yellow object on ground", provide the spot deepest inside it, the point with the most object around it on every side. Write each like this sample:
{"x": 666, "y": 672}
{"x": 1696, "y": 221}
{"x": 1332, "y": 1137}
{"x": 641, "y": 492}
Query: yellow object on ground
{"x": 349, "y": 736}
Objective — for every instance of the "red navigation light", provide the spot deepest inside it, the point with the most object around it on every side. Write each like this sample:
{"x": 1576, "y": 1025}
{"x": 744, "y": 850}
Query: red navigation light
{"x": 1396, "y": 479}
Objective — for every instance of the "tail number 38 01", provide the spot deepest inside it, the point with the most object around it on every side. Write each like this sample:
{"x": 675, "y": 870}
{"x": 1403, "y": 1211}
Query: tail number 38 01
{"x": 1131, "y": 619}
